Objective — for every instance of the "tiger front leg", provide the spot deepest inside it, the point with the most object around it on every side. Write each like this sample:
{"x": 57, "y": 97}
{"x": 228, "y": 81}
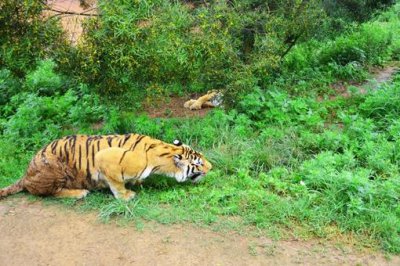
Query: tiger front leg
{"x": 110, "y": 165}
{"x": 118, "y": 188}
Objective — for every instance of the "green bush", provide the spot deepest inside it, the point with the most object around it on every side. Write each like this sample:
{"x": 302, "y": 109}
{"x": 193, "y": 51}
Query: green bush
{"x": 367, "y": 45}
{"x": 9, "y": 85}
{"x": 43, "y": 80}
{"x": 358, "y": 10}
{"x": 26, "y": 36}
{"x": 50, "y": 117}
{"x": 213, "y": 46}
{"x": 152, "y": 42}
{"x": 276, "y": 106}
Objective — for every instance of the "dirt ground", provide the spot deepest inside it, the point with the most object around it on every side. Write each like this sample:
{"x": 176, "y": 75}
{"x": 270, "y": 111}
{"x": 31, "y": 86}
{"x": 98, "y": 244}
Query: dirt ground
{"x": 173, "y": 107}
{"x": 54, "y": 235}
{"x": 378, "y": 76}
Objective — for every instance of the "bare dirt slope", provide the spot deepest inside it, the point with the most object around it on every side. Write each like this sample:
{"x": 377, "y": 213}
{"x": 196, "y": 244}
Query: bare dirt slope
{"x": 53, "y": 235}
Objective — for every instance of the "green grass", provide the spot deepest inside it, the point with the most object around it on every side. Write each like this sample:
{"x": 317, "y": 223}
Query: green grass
{"x": 282, "y": 174}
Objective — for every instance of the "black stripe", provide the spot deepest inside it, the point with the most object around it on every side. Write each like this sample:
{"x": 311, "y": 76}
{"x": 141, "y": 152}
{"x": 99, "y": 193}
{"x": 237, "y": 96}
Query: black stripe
{"x": 88, "y": 174}
{"x": 136, "y": 143}
{"x": 156, "y": 168}
{"x": 93, "y": 155}
{"x": 98, "y": 146}
{"x": 109, "y": 140}
{"x": 61, "y": 152}
{"x": 164, "y": 154}
{"x": 123, "y": 155}
{"x": 44, "y": 149}
{"x": 144, "y": 167}
{"x": 187, "y": 171}
{"x": 122, "y": 174}
{"x": 88, "y": 141}
{"x": 54, "y": 146}
{"x": 152, "y": 146}
{"x": 66, "y": 151}
{"x": 142, "y": 170}
{"x": 80, "y": 157}
{"x": 127, "y": 137}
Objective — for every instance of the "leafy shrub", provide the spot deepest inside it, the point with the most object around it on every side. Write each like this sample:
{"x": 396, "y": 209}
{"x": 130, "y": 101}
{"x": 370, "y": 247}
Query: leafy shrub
{"x": 277, "y": 106}
{"x": 49, "y": 117}
{"x": 357, "y": 10}
{"x": 43, "y": 80}
{"x": 201, "y": 47}
{"x": 25, "y": 35}
{"x": 9, "y": 85}
{"x": 368, "y": 45}
{"x": 153, "y": 42}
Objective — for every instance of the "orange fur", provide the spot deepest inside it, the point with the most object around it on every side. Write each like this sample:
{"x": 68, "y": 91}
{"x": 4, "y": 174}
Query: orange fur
{"x": 202, "y": 102}
{"x": 73, "y": 165}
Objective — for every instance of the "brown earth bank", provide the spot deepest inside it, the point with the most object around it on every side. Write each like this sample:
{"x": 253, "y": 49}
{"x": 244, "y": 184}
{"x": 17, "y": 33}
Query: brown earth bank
{"x": 37, "y": 234}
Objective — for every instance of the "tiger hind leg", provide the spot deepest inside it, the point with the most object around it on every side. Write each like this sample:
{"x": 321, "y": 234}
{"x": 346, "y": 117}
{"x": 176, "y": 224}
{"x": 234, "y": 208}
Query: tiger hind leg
{"x": 47, "y": 176}
{"x": 72, "y": 193}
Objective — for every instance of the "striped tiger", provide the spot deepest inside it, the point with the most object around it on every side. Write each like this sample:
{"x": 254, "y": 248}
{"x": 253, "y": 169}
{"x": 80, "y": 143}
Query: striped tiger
{"x": 213, "y": 98}
{"x": 74, "y": 165}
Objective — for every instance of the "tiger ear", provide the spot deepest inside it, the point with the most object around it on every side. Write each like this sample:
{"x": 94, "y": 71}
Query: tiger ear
{"x": 177, "y": 142}
{"x": 178, "y": 160}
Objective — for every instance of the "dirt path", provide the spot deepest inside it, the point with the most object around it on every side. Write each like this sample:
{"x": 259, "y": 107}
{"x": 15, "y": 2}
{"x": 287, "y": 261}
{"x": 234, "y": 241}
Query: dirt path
{"x": 385, "y": 74}
{"x": 53, "y": 235}
{"x": 378, "y": 76}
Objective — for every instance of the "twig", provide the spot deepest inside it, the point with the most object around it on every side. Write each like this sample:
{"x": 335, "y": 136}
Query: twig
{"x": 84, "y": 13}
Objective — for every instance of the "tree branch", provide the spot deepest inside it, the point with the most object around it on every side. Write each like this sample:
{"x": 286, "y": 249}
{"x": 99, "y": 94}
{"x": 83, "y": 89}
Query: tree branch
{"x": 84, "y": 13}
{"x": 292, "y": 43}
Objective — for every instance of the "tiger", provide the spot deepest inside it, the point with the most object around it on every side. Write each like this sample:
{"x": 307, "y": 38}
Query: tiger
{"x": 213, "y": 98}
{"x": 74, "y": 165}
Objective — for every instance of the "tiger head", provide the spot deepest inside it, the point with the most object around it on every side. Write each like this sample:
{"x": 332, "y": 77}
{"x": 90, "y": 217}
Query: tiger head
{"x": 191, "y": 165}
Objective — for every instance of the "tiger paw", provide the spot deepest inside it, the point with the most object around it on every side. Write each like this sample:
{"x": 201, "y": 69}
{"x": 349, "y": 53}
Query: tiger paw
{"x": 128, "y": 195}
{"x": 83, "y": 193}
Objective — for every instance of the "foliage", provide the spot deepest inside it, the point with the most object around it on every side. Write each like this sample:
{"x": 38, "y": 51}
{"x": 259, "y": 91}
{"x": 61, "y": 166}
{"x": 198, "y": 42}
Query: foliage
{"x": 199, "y": 47}
{"x": 43, "y": 79}
{"x": 49, "y": 117}
{"x": 346, "y": 56}
{"x": 358, "y": 10}
{"x": 9, "y": 85}
{"x": 288, "y": 158}
{"x": 25, "y": 35}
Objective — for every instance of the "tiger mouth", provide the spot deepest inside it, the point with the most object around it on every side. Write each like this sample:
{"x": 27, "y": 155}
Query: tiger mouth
{"x": 195, "y": 176}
